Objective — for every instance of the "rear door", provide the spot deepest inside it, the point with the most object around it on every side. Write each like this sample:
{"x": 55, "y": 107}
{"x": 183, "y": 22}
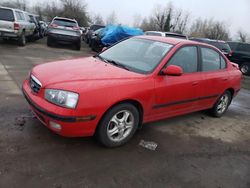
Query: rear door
{"x": 7, "y": 19}
{"x": 215, "y": 76}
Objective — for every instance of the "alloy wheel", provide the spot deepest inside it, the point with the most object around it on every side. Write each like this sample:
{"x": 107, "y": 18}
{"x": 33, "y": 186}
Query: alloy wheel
{"x": 223, "y": 104}
{"x": 120, "y": 126}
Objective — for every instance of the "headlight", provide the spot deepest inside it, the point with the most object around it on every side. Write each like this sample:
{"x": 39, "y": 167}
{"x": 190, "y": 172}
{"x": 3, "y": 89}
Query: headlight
{"x": 62, "y": 98}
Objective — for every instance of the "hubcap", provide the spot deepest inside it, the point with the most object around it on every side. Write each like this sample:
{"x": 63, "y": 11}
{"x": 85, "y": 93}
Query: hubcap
{"x": 223, "y": 103}
{"x": 120, "y": 126}
{"x": 244, "y": 69}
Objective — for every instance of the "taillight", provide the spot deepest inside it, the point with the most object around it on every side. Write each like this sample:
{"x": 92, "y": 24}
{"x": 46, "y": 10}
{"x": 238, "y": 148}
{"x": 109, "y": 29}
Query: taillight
{"x": 16, "y": 26}
{"x": 53, "y": 25}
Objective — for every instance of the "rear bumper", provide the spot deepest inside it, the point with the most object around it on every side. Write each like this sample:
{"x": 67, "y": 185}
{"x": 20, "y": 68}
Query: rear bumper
{"x": 64, "y": 38}
{"x": 5, "y": 34}
{"x": 70, "y": 126}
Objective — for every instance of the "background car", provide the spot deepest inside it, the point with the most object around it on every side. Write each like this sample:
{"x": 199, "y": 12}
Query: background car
{"x": 95, "y": 42}
{"x": 166, "y": 34}
{"x": 221, "y": 45}
{"x": 15, "y": 24}
{"x": 241, "y": 56}
{"x": 90, "y": 31}
{"x": 43, "y": 28}
{"x": 64, "y": 30}
{"x": 37, "y": 31}
{"x": 139, "y": 80}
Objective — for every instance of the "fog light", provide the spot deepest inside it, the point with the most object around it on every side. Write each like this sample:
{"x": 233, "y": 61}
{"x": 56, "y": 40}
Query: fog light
{"x": 55, "y": 126}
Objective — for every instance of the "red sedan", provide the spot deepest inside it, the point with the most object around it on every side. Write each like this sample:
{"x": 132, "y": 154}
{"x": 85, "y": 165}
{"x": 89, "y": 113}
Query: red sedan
{"x": 139, "y": 80}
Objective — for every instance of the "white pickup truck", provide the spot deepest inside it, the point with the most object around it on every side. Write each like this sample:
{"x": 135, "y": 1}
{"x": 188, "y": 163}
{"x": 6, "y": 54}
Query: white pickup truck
{"x": 15, "y": 24}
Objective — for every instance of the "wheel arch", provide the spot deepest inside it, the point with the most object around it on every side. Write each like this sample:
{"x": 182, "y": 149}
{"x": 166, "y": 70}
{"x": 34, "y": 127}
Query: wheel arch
{"x": 232, "y": 91}
{"x": 135, "y": 103}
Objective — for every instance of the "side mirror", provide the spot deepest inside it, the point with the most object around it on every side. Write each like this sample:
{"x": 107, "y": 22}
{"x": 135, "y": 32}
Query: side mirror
{"x": 172, "y": 70}
{"x": 104, "y": 48}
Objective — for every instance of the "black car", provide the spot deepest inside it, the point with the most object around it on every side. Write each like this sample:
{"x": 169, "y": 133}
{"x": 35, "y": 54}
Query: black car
{"x": 92, "y": 29}
{"x": 241, "y": 56}
{"x": 95, "y": 42}
{"x": 221, "y": 45}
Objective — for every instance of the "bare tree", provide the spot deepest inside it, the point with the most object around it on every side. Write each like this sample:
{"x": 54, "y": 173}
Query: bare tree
{"x": 137, "y": 20}
{"x": 97, "y": 19}
{"x": 75, "y": 9}
{"x": 167, "y": 19}
{"x": 112, "y": 19}
{"x": 209, "y": 29}
{"x": 242, "y": 36}
{"x": 19, "y": 4}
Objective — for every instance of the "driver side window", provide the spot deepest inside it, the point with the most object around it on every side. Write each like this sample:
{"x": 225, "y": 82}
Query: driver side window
{"x": 186, "y": 58}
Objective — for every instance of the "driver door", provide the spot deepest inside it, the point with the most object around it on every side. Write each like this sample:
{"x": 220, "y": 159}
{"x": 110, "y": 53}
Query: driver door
{"x": 175, "y": 95}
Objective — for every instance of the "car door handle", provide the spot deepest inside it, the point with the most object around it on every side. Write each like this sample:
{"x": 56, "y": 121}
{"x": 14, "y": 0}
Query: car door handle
{"x": 224, "y": 79}
{"x": 195, "y": 83}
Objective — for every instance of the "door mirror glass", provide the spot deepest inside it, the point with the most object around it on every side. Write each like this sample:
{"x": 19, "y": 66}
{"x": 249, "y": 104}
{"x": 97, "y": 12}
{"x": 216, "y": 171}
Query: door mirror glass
{"x": 172, "y": 70}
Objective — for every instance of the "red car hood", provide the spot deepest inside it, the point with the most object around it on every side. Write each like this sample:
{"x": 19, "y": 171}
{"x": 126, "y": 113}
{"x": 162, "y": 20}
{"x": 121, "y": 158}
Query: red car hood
{"x": 81, "y": 69}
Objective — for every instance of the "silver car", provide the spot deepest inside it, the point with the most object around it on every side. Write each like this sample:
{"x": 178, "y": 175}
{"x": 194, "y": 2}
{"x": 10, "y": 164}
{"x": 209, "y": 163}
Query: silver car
{"x": 15, "y": 24}
{"x": 64, "y": 30}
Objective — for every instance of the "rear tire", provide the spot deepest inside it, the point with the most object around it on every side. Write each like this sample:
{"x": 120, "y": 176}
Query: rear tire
{"x": 245, "y": 68}
{"x": 221, "y": 105}
{"x": 118, "y": 125}
{"x": 78, "y": 45}
{"x": 22, "y": 39}
{"x": 49, "y": 41}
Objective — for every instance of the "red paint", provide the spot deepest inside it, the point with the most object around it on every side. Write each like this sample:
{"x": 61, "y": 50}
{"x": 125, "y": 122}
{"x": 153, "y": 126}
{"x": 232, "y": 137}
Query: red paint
{"x": 102, "y": 85}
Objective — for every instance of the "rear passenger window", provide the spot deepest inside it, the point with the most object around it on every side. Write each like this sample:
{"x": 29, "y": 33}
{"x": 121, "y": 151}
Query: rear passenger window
{"x": 19, "y": 16}
{"x": 212, "y": 60}
{"x": 186, "y": 58}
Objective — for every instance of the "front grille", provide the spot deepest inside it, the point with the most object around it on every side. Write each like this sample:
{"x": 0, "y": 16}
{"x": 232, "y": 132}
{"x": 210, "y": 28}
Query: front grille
{"x": 34, "y": 84}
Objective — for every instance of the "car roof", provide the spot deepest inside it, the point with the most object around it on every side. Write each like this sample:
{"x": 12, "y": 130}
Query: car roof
{"x": 207, "y": 40}
{"x": 12, "y": 9}
{"x": 169, "y": 40}
{"x": 175, "y": 41}
{"x": 168, "y": 33}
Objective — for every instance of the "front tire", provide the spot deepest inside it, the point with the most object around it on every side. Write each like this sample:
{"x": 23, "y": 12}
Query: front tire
{"x": 245, "y": 68}
{"x": 78, "y": 45}
{"x": 118, "y": 125}
{"x": 221, "y": 105}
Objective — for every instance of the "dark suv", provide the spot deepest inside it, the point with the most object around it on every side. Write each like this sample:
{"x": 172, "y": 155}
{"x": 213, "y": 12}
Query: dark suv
{"x": 91, "y": 30}
{"x": 241, "y": 56}
{"x": 220, "y": 44}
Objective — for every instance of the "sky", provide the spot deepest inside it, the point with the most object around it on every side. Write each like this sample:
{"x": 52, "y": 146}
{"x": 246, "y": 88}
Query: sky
{"x": 235, "y": 13}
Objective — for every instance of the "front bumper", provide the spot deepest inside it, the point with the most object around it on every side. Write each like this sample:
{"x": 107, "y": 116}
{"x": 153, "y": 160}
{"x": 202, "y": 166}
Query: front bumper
{"x": 70, "y": 126}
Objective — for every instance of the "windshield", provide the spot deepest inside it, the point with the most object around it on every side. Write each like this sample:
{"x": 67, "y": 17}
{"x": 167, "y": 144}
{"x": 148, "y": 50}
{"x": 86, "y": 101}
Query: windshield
{"x": 138, "y": 55}
{"x": 65, "y": 23}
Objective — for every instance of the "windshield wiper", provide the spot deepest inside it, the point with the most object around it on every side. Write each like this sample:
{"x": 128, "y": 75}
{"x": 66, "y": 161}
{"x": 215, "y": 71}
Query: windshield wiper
{"x": 118, "y": 64}
{"x": 101, "y": 58}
